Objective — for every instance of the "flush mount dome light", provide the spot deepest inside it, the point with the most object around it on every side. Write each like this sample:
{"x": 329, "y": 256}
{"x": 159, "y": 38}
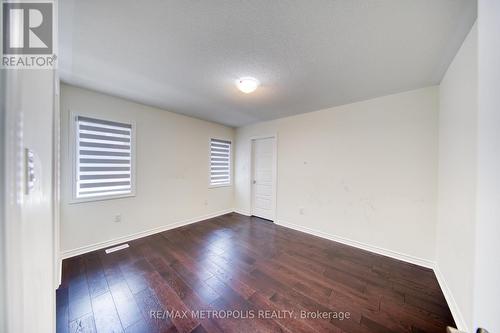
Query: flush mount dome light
{"x": 247, "y": 84}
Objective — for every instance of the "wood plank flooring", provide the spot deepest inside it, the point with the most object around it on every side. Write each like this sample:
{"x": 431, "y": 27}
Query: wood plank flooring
{"x": 227, "y": 268}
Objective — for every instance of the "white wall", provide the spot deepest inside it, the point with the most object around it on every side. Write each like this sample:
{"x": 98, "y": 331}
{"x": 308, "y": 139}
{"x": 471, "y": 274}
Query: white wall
{"x": 457, "y": 178}
{"x": 171, "y": 172}
{"x": 487, "y": 269}
{"x": 365, "y": 171}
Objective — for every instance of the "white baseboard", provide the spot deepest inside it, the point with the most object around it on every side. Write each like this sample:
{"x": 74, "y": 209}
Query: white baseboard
{"x": 372, "y": 248}
{"x": 119, "y": 240}
{"x": 242, "y": 212}
{"x": 452, "y": 304}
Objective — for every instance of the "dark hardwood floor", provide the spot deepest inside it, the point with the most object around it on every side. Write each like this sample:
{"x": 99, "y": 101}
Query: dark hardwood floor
{"x": 227, "y": 268}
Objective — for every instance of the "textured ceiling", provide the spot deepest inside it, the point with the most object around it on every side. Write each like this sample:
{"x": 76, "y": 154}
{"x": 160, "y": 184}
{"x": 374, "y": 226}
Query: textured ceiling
{"x": 184, "y": 56}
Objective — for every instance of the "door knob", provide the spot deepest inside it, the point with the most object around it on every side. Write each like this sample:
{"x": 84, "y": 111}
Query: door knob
{"x": 254, "y": 181}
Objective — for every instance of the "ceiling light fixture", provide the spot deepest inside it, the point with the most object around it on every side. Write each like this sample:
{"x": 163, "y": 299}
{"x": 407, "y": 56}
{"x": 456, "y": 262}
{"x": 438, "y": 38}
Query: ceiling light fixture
{"x": 247, "y": 84}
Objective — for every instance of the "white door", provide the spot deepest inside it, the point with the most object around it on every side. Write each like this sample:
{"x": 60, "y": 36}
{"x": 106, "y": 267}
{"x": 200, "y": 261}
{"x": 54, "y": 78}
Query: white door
{"x": 487, "y": 229}
{"x": 27, "y": 208}
{"x": 263, "y": 182}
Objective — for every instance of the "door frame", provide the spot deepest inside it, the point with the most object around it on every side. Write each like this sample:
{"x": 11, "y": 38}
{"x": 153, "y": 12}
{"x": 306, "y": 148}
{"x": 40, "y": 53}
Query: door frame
{"x": 275, "y": 172}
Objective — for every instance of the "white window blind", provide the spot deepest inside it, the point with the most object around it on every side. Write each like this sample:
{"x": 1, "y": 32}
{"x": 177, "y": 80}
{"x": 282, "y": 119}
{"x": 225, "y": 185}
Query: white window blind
{"x": 103, "y": 158}
{"x": 220, "y": 162}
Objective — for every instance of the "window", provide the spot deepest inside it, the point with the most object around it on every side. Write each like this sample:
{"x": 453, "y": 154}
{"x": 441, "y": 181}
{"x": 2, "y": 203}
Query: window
{"x": 103, "y": 159}
{"x": 220, "y": 162}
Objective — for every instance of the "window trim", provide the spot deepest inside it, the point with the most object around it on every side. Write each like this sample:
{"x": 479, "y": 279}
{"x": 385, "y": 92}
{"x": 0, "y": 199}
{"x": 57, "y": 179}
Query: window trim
{"x": 73, "y": 147}
{"x": 210, "y": 185}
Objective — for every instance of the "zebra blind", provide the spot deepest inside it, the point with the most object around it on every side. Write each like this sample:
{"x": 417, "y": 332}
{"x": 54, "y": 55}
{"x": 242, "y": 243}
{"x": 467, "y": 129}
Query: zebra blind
{"x": 103, "y": 158}
{"x": 220, "y": 162}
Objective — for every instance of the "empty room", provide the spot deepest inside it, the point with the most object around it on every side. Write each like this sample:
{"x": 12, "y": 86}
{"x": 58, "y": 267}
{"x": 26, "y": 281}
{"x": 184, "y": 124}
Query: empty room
{"x": 250, "y": 166}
